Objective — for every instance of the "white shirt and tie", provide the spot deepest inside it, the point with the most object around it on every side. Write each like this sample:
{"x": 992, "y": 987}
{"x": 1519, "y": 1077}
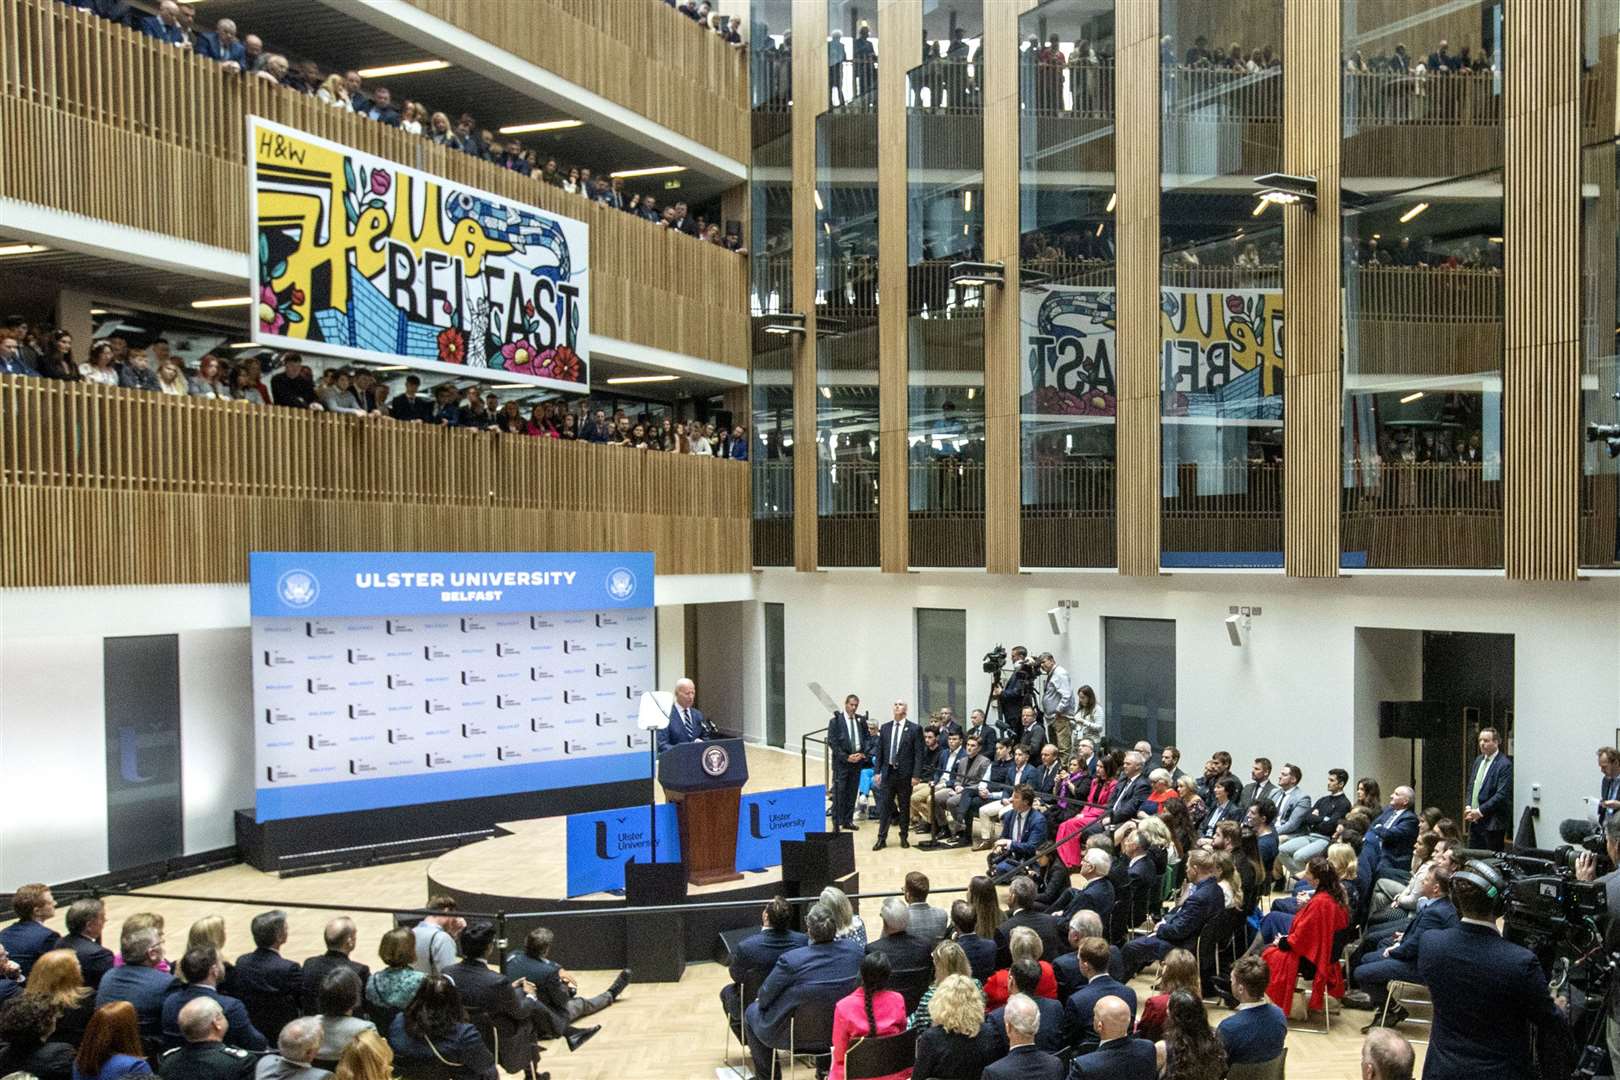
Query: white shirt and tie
{"x": 691, "y": 728}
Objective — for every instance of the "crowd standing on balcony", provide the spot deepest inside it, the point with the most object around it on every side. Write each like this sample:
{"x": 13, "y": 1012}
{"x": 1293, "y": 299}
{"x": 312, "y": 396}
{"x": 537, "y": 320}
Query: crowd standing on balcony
{"x": 175, "y": 23}
{"x": 116, "y": 361}
{"x": 729, "y": 29}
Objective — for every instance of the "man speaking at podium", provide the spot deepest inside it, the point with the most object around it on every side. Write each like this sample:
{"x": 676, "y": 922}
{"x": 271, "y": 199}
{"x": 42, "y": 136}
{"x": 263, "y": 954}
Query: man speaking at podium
{"x": 686, "y": 723}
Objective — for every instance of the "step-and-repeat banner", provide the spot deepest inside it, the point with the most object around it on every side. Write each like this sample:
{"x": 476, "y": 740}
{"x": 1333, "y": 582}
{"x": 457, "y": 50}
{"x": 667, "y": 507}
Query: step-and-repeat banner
{"x": 391, "y": 679}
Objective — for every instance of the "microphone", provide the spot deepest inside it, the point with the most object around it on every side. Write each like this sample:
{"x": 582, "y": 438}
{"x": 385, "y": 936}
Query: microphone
{"x": 1574, "y": 830}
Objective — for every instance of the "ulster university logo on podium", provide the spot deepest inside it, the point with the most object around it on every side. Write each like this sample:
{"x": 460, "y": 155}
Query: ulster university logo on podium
{"x": 716, "y": 760}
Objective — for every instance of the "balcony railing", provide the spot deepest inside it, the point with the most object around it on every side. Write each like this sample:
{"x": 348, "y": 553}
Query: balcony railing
{"x": 1424, "y": 514}
{"x": 103, "y": 486}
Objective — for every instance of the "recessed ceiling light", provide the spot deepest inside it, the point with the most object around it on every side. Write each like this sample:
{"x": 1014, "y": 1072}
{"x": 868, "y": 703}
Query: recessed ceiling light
{"x": 22, "y": 249}
{"x": 656, "y": 170}
{"x": 624, "y": 380}
{"x": 223, "y": 301}
{"x": 412, "y": 67}
{"x": 543, "y": 125}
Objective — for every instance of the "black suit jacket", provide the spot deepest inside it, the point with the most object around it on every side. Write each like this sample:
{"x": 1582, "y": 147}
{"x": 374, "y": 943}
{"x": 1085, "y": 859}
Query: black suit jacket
{"x": 908, "y": 763}
{"x": 906, "y": 952}
{"x": 1052, "y": 935}
{"x": 317, "y": 968}
{"x": 1489, "y": 996}
{"x": 489, "y": 996}
{"x": 944, "y": 1055}
{"x": 757, "y": 954}
{"x": 1026, "y": 1062}
{"x": 94, "y": 961}
{"x": 270, "y": 987}
{"x": 1097, "y": 896}
{"x": 1127, "y": 798}
{"x": 838, "y": 744}
{"x": 981, "y": 954}
{"x": 1117, "y": 1059}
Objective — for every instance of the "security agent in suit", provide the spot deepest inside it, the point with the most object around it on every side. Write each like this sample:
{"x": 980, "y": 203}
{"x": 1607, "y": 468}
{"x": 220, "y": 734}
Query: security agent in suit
{"x": 1490, "y": 996}
{"x": 1024, "y": 1021}
{"x": 1079, "y": 1007}
{"x": 1118, "y": 1056}
{"x": 1023, "y": 831}
{"x": 268, "y": 985}
{"x": 139, "y": 981}
{"x": 86, "y": 919}
{"x": 205, "y": 1055}
{"x": 899, "y": 761}
{"x": 1398, "y": 960}
{"x": 1260, "y": 785}
{"x": 686, "y": 722}
{"x": 980, "y": 952}
{"x": 754, "y": 956}
{"x": 203, "y": 969}
{"x": 555, "y": 988}
{"x": 846, "y": 746}
{"x": 820, "y": 972}
{"x": 1490, "y": 794}
{"x": 1204, "y": 900}
{"x": 340, "y": 937}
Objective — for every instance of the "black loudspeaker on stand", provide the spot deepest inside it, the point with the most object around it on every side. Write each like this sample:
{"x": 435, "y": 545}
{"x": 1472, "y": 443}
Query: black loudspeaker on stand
{"x": 655, "y": 943}
{"x": 811, "y": 864}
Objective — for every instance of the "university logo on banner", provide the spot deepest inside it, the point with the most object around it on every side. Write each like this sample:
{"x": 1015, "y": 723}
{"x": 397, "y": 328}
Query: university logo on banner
{"x": 356, "y": 256}
{"x": 600, "y": 845}
{"x": 767, "y": 818}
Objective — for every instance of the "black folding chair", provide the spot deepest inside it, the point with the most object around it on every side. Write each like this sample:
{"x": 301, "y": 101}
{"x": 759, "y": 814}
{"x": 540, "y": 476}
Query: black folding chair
{"x": 747, "y": 991}
{"x": 873, "y": 1057}
{"x": 911, "y": 985}
{"x": 810, "y": 1032}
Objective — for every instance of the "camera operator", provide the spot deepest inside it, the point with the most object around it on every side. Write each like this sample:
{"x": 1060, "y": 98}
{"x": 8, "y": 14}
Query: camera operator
{"x": 1058, "y": 703}
{"x": 1489, "y": 994}
{"x": 1019, "y": 688}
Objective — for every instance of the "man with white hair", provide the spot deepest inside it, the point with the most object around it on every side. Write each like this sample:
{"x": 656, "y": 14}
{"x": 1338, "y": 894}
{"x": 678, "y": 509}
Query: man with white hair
{"x": 205, "y": 1055}
{"x": 1130, "y": 794}
{"x": 139, "y": 980}
{"x": 221, "y": 44}
{"x": 686, "y": 722}
{"x": 1387, "y": 848}
{"x": 1023, "y": 1061}
{"x": 905, "y": 950}
{"x": 1066, "y": 968}
{"x": 1095, "y": 892}
{"x": 1385, "y": 1055}
{"x": 165, "y": 25}
{"x": 296, "y": 1051}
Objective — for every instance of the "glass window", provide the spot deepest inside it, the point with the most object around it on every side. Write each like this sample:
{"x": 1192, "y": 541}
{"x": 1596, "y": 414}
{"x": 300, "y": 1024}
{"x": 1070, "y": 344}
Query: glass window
{"x": 1139, "y": 681}
{"x": 771, "y": 393}
{"x": 1221, "y": 301}
{"x": 1423, "y": 343}
{"x": 852, "y": 56}
{"x": 945, "y": 325}
{"x": 941, "y": 662}
{"x": 775, "y": 676}
{"x": 1066, "y": 307}
{"x": 1599, "y": 537}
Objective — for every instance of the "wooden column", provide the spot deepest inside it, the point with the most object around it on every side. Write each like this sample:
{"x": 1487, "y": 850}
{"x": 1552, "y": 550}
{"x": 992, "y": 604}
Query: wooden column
{"x": 1313, "y": 385}
{"x": 899, "y": 28}
{"x": 1541, "y": 377}
{"x": 1136, "y": 166}
{"x": 1002, "y": 498}
{"x": 809, "y": 101}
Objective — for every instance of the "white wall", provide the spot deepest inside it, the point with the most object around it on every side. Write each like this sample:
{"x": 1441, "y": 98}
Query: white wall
{"x": 1388, "y": 667}
{"x": 1290, "y": 693}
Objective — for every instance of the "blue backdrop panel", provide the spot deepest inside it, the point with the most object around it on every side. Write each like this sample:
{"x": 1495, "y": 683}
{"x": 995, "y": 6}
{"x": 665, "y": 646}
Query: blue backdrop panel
{"x": 766, "y": 818}
{"x": 599, "y": 845}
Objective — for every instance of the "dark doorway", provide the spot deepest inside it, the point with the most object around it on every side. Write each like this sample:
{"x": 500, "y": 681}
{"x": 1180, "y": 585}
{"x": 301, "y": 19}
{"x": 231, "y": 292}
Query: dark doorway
{"x": 145, "y": 818}
{"x": 775, "y": 677}
{"x": 1471, "y": 675}
{"x": 1139, "y": 681}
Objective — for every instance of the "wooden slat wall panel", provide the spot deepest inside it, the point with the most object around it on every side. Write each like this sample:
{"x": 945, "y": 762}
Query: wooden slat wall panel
{"x": 809, "y": 101}
{"x": 1003, "y": 527}
{"x": 1136, "y": 144}
{"x": 102, "y": 486}
{"x": 109, "y": 124}
{"x": 1541, "y": 382}
{"x": 1313, "y": 386}
{"x": 898, "y": 21}
{"x": 654, "y": 61}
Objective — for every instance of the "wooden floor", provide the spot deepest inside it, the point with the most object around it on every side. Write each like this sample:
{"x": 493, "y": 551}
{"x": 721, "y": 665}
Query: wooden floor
{"x": 657, "y": 1031}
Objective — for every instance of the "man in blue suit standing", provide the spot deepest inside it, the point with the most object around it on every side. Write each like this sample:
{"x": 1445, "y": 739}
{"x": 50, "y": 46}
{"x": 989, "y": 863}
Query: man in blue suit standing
{"x": 1490, "y": 794}
{"x": 820, "y": 972}
{"x": 1181, "y": 927}
{"x": 686, "y": 722}
{"x": 1490, "y": 995}
{"x": 1023, "y": 830}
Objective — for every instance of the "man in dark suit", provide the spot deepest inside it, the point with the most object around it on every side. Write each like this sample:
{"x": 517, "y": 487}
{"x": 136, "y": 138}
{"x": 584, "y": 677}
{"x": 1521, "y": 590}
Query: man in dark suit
{"x": 1130, "y": 793}
{"x": 847, "y": 747}
{"x": 821, "y": 972}
{"x": 1489, "y": 994}
{"x": 953, "y": 798}
{"x": 981, "y": 952}
{"x": 1388, "y": 845}
{"x": 1024, "y": 1022}
{"x": 1256, "y": 1031}
{"x": 85, "y": 921}
{"x": 906, "y": 951}
{"x": 1021, "y": 912}
{"x": 1399, "y": 959}
{"x": 1031, "y": 733}
{"x": 516, "y": 1016}
{"x": 1024, "y": 979}
{"x": 139, "y": 981}
{"x": 1216, "y": 769}
{"x": 899, "y": 761}
{"x": 203, "y": 970}
{"x": 1094, "y": 892}
{"x": 268, "y": 985}
{"x": 1140, "y": 868}
{"x": 165, "y": 25}
{"x": 1490, "y": 794}
{"x": 987, "y": 732}
{"x": 754, "y": 956}
{"x": 686, "y": 721}
{"x": 1118, "y": 1056}
{"x": 29, "y": 938}
{"x": 1077, "y": 1009}
{"x": 1085, "y": 926}
{"x": 1023, "y": 831}
{"x": 340, "y": 939}
{"x": 1181, "y": 926}
{"x": 555, "y": 988}
{"x": 1260, "y": 785}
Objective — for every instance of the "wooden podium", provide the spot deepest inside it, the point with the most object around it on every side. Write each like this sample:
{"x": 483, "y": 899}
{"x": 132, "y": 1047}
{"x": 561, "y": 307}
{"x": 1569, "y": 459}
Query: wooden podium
{"x": 704, "y": 781}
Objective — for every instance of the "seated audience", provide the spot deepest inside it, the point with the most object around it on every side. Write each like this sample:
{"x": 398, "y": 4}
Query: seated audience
{"x": 870, "y": 1012}
{"x": 27, "y": 939}
{"x": 205, "y": 1055}
{"x": 341, "y": 938}
{"x": 1316, "y": 831}
{"x": 432, "y": 1039}
{"x": 980, "y": 951}
{"x": 1026, "y": 980}
{"x": 927, "y": 922}
{"x": 823, "y": 971}
{"x": 1177, "y": 971}
{"x": 949, "y": 959}
{"x": 1308, "y": 947}
{"x": 268, "y": 985}
{"x": 339, "y": 997}
{"x": 1255, "y": 1033}
{"x": 202, "y": 971}
{"x": 1118, "y": 1056}
{"x": 1386, "y": 1056}
{"x": 208, "y": 932}
{"x": 1021, "y": 912}
{"x": 1022, "y": 944}
{"x": 393, "y": 987}
{"x": 369, "y": 1057}
{"x": 753, "y": 957}
{"x": 1094, "y": 891}
{"x": 1024, "y": 1059}
{"x": 295, "y": 1054}
{"x": 905, "y": 950}
{"x": 848, "y": 924}
{"x": 139, "y": 980}
{"x": 56, "y": 979}
{"x": 1084, "y": 925}
{"x": 27, "y": 1045}
{"x": 957, "y": 1041}
{"x": 1189, "y": 1049}
{"x": 111, "y": 1048}
{"x": 1181, "y": 926}
{"x": 85, "y": 921}
{"x": 1399, "y": 959}
{"x": 1079, "y": 1027}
